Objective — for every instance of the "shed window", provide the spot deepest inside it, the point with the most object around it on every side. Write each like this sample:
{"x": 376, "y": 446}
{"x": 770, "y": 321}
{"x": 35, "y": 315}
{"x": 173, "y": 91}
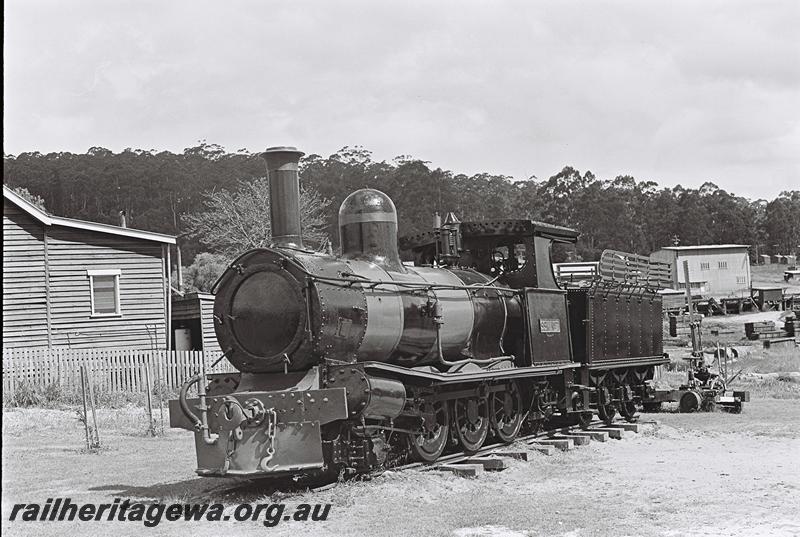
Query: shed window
{"x": 104, "y": 291}
{"x": 740, "y": 279}
{"x": 704, "y": 266}
{"x": 723, "y": 265}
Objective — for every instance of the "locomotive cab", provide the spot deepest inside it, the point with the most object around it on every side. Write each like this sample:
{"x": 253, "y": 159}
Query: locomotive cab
{"x": 517, "y": 253}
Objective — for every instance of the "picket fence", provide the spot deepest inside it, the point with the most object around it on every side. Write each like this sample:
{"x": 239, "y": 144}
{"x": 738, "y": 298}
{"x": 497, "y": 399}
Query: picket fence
{"x": 110, "y": 370}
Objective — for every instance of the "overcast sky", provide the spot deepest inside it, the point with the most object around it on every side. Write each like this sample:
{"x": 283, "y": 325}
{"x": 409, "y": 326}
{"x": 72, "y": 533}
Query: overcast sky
{"x": 675, "y": 92}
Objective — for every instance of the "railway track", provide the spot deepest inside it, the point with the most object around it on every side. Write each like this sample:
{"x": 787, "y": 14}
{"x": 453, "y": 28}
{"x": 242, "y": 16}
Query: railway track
{"x": 547, "y": 441}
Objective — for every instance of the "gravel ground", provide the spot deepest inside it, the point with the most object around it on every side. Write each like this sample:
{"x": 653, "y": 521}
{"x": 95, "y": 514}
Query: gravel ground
{"x": 700, "y": 474}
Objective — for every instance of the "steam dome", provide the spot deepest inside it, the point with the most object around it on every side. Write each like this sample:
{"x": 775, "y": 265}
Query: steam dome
{"x": 368, "y": 229}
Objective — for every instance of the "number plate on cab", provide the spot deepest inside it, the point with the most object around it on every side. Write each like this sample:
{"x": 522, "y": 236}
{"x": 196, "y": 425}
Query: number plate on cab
{"x": 549, "y": 326}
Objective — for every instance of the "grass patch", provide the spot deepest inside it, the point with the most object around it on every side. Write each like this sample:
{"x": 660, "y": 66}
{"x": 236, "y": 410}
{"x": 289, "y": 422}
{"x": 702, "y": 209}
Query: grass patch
{"x": 772, "y": 275}
{"x": 768, "y": 363}
{"x": 773, "y": 362}
{"x": 768, "y": 388}
{"x": 123, "y": 413}
{"x": 53, "y": 395}
{"x": 130, "y": 421}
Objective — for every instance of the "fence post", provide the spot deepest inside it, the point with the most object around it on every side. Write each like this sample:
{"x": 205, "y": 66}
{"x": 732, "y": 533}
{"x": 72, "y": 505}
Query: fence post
{"x": 119, "y": 372}
{"x": 134, "y": 372}
{"x": 29, "y": 367}
{"x": 85, "y": 410}
{"x": 160, "y": 385}
{"x": 12, "y": 370}
{"x": 6, "y": 374}
{"x": 128, "y": 372}
{"x": 90, "y": 382}
{"x": 59, "y": 368}
{"x": 149, "y": 399}
{"x": 142, "y": 358}
{"x": 44, "y": 361}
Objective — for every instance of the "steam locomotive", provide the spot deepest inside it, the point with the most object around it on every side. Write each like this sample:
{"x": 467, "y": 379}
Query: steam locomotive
{"x": 349, "y": 362}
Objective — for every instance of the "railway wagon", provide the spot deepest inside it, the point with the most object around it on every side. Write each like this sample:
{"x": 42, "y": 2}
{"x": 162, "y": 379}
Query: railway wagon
{"x": 348, "y": 363}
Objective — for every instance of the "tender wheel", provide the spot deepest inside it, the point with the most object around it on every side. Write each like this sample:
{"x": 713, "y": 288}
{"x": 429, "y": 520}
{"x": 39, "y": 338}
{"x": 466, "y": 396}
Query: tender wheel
{"x": 505, "y": 410}
{"x": 690, "y": 402}
{"x": 472, "y": 422}
{"x": 428, "y": 446}
{"x": 607, "y": 413}
{"x": 628, "y": 411}
{"x": 585, "y": 419}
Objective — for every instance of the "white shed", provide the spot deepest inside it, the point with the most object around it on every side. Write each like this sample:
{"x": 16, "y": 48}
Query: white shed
{"x": 715, "y": 270}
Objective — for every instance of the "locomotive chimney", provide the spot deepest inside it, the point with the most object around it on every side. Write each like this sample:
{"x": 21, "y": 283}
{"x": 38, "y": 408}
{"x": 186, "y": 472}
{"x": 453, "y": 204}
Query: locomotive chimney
{"x": 284, "y": 195}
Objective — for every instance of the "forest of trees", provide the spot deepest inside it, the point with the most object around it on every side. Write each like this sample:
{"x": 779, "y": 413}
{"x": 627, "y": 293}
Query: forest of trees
{"x": 172, "y": 193}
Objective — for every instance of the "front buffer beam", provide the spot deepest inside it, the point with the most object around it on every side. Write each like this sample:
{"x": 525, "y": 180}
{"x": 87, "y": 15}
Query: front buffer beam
{"x": 262, "y": 433}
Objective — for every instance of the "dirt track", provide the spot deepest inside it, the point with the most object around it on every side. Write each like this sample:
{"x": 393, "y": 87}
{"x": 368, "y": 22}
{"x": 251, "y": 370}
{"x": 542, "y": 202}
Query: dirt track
{"x": 703, "y": 474}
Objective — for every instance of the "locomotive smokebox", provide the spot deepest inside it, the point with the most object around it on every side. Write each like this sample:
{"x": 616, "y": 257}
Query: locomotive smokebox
{"x": 284, "y": 194}
{"x": 368, "y": 229}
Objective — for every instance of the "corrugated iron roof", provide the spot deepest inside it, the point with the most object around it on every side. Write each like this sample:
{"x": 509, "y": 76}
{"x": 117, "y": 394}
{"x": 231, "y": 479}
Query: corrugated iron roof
{"x": 50, "y": 220}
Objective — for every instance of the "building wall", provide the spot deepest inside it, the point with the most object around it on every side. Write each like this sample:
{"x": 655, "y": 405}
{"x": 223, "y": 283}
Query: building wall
{"x": 704, "y": 266}
{"x": 24, "y": 295}
{"x": 29, "y": 271}
{"x": 197, "y": 310}
{"x": 71, "y": 252}
{"x": 210, "y": 342}
{"x": 185, "y": 308}
{"x": 706, "y": 276}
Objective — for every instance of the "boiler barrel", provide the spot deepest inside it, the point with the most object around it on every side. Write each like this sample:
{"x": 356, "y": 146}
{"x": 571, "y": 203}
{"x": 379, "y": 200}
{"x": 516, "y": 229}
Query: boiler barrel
{"x": 397, "y": 324}
{"x": 277, "y": 310}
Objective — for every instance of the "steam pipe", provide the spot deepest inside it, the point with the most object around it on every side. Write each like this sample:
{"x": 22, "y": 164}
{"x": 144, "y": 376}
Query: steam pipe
{"x": 284, "y": 195}
{"x": 200, "y": 424}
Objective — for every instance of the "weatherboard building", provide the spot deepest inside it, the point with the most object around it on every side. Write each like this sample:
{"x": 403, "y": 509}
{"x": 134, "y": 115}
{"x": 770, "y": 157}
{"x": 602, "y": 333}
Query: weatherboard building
{"x": 715, "y": 270}
{"x": 76, "y": 284}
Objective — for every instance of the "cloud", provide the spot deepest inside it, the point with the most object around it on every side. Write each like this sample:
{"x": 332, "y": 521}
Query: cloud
{"x": 677, "y": 92}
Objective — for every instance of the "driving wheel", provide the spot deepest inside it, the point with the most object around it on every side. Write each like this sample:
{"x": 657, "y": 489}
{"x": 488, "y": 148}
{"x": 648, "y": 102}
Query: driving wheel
{"x": 429, "y": 445}
{"x": 505, "y": 409}
{"x": 472, "y": 422}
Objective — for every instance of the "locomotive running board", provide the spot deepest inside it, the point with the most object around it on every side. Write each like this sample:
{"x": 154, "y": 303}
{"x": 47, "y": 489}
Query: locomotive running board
{"x": 452, "y": 378}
